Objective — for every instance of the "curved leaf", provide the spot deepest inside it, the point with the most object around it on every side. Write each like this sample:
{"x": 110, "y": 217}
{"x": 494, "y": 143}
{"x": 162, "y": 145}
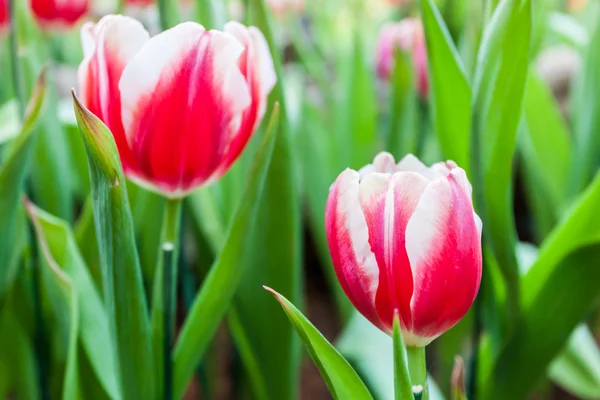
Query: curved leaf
{"x": 13, "y": 173}
{"x": 343, "y": 382}
{"x": 224, "y": 277}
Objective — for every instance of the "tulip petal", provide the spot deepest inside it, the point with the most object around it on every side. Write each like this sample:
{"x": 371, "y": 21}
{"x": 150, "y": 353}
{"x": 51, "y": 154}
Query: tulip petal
{"x": 108, "y": 46}
{"x": 443, "y": 245}
{"x": 256, "y": 64}
{"x": 388, "y": 202}
{"x": 347, "y": 236}
{"x": 183, "y": 97}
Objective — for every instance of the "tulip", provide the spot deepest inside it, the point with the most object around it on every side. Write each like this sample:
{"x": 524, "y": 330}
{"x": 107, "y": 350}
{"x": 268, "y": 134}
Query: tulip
{"x": 59, "y": 14}
{"x": 407, "y": 36}
{"x": 281, "y": 8}
{"x": 181, "y": 105}
{"x": 4, "y": 17}
{"x": 404, "y": 239}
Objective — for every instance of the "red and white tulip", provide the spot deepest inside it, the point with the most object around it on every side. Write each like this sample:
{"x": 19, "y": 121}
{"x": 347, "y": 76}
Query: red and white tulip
{"x": 408, "y": 36}
{"x": 404, "y": 238}
{"x": 181, "y": 105}
{"x": 59, "y": 14}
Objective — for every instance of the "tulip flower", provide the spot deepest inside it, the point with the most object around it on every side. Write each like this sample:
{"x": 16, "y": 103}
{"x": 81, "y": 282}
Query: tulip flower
{"x": 181, "y": 105}
{"x": 59, "y": 14}
{"x": 404, "y": 239}
{"x": 408, "y": 36}
{"x": 281, "y": 8}
{"x": 4, "y": 17}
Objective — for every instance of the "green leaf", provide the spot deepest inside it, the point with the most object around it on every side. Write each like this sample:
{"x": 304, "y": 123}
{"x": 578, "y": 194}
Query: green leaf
{"x": 497, "y": 96}
{"x": 224, "y": 277}
{"x": 10, "y": 124}
{"x": 546, "y": 152}
{"x": 546, "y": 324}
{"x": 88, "y": 318}
{"x": 450, "y": 91}
{"x": 586, "y": 118}
{"x": 577, "y": 229}
{"x": 13, "y": 173}
{"x": 18, "y": 370}
{"x": 577, "y": 368}
{"x": 402, "y": 379}
{"x": 278, "y": 228}
{"x": 343, "y": 382}
{"x": 122, "y": 278}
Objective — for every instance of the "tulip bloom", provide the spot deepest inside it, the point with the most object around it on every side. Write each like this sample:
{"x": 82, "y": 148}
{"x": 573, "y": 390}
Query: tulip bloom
{"x": 4, "y": 17}
{"x": 281, "y": 8}
{"x": 59, "y": 14}
{"x": 404, "y": 238}
{"x": 408, "y": 36}
{"x": 181, "y": 105}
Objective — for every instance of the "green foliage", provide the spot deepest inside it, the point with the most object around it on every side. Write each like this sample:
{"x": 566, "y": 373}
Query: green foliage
{"x": 121, "y": 273}
{"x": 341, "y": 379}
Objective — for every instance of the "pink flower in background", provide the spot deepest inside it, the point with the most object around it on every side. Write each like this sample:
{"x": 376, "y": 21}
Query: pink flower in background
{"x": 281, "y": 8}
{"x": 181, "y": 105}
{"x": 408, "y": 36}
{"x": 59, "y": 14}
{"x": 404, "y": 238}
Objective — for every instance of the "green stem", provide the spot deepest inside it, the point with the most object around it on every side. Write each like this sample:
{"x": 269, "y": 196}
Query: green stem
{"x": 418, "y": 368}
{"x": 14, "y": 59}
{"x": 170, "y": 247}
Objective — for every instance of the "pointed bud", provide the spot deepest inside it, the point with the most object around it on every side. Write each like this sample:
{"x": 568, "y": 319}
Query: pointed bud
{"x": 458, "y": 379}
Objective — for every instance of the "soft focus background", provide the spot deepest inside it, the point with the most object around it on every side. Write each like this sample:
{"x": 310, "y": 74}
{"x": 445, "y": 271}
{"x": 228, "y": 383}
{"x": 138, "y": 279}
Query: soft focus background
{"x": 508, "y": 89}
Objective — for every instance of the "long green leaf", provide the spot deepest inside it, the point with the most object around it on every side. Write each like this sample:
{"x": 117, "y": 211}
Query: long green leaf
{"x": 89, "y": 320}
{"x": 343, "y": 382}
{"x": 13, "y": 173}
{"x": 586, "y": 118}
{"x": 124, "y": 296}
{"x": 497, "y": 96}
{"x": 546, "y": 153}
{"x": 278, "y": 229}
{"x": 225, "y": 275}
{"x": 546, "y": 324}
{"x": 450, "y": 92}
{"x": 577, "y": 368}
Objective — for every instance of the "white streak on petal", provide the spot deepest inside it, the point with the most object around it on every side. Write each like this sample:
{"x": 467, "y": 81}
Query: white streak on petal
{"x": 427, "y": 221}
{"x": 349, "y": 205}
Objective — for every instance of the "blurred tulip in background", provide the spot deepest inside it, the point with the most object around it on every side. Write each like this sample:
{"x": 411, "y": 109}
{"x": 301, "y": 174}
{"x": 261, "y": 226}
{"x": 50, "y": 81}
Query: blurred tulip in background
{"x": 405, "y": 36}
{"x": 59, "y": 14}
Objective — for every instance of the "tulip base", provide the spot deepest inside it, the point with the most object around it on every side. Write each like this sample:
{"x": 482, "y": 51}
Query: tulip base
{"x": 417, "y": 368}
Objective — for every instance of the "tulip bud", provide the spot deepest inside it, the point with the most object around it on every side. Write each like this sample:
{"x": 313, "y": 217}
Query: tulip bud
{"x": 181, "y": 105}
{"x": 404, "y": 238}
{"x": 59, "y": 14}
{"x": 408, "y": 36}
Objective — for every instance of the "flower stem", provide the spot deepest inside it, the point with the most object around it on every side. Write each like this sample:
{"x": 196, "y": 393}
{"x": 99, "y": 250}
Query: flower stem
{"x": 169, "y": 250}
{"x": 418, "y": 369}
